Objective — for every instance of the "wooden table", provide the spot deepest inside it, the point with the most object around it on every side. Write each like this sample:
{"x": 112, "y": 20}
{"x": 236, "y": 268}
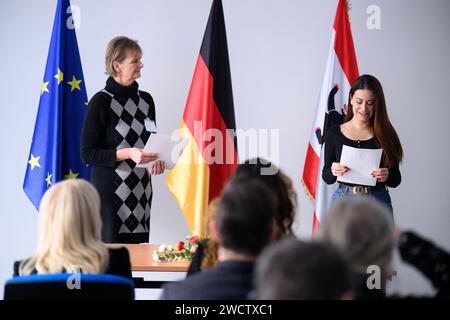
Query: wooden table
{"x": 145, "y": 269}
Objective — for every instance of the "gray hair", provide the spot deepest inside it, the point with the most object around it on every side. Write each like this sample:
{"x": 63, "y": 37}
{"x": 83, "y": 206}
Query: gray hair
{"x": 117, "y": 51}
{"x": 362, "y": 229}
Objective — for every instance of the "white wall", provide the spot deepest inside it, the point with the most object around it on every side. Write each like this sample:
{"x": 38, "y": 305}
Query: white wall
{"x": 277, "y": 55}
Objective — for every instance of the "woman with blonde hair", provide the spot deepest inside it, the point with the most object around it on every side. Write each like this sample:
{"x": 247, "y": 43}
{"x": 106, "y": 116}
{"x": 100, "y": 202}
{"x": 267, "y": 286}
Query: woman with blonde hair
{"x": 206, "y": 255}
{"x": 118, "y": 123}
{"x": 70, "y": 235}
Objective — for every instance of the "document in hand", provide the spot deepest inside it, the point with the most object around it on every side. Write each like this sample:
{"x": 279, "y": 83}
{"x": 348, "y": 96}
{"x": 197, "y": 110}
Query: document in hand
{"x": 361, "y": 163}
{"x": 167, "y": 149}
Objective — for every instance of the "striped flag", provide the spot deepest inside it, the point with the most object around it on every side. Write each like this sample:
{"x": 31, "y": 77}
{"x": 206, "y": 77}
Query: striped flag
{"x": 340, "y": 73}
{"x": 55, "y": 148}
{"x": 210, "y": 156}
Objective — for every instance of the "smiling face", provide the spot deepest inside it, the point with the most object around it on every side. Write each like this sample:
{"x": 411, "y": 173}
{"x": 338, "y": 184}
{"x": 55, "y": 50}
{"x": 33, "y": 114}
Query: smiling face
{"x": 363, "y": 103}
{"x": 130, "y": 68}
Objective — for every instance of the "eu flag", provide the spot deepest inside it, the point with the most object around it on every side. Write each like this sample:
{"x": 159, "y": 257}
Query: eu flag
{"x": 55, "y": 148}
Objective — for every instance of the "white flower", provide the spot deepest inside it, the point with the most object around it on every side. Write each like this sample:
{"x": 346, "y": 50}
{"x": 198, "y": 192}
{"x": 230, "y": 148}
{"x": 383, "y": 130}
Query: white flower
{"x": 162, "y": 248}
{"x": 169, "y": 248}
{"x": 155, "y": 256}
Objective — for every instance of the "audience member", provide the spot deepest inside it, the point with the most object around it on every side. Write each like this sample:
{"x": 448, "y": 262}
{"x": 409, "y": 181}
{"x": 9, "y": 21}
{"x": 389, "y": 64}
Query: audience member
{"x": 362, "y": 230}
{"x": 243, "y": 227}
{"x": 70, "y": 235}
{"x": 291, "y": 269}
{"x": 285, "y": 198}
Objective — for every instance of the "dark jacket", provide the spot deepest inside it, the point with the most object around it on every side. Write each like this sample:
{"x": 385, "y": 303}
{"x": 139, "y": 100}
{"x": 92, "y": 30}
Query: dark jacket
{"x": 197, "y": 259}
{"x": 119, "y": 263}
{"x": 228, "y": 280}
{"x": 362, "y": 292}
{"x": 432, "y": 261}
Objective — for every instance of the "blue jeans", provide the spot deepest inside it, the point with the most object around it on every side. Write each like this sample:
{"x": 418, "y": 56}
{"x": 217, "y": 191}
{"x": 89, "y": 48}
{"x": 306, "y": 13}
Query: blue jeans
{"x": 381, "y": 196}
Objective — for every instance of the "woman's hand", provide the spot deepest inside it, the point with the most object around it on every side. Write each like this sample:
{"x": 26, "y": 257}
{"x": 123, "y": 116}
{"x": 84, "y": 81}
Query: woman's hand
{"x": 381, "y": 174}
{"x": 140, "y": 156}
{"x": 338, "y": 169}
{"x": 156, "y": 168}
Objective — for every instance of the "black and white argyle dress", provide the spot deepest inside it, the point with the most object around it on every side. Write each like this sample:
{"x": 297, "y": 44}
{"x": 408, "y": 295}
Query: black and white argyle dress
{"x": 115, "y": 120}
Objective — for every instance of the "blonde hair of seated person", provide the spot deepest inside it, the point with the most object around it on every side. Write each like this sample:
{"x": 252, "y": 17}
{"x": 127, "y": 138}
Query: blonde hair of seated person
{"x": 69, "y": 231}
{"x": 211, "y": 247}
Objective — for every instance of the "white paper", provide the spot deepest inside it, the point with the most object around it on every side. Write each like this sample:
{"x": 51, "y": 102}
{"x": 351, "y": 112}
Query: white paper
{"x": 168, "y": 151}
{"x": 361, "y": 163}
{"x": 150, "y": 125}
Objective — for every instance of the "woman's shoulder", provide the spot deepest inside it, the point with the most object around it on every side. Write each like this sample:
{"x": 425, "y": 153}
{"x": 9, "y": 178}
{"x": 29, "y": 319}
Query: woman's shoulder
{"x": 147, "y": 98}
{"x": 336, "y": 128}
{"x": 118, "y": 253}
{"x": 119, "y": 262}
{"x": 334, "y": 132}
{"x": 17, "y": 264}
{"x": 100, "y": 99}
{"x": 146, "y": 95}
{"x": 16, "y": 267}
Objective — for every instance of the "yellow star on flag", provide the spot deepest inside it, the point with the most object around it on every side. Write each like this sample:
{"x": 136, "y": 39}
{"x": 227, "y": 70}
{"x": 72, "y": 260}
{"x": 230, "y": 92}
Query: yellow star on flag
{"x": 75, "y": 84}
{"x": 59, "y": 76}
{"x": 34, "y": 161}
{"x": 44, "y": 87}
{"x": 71, "y": 175}
{"x": 48, "y": 179}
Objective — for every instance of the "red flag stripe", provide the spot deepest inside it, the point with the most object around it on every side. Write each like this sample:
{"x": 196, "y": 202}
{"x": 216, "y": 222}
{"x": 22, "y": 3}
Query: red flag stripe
{"x": 310, "y": 171}
{"x": 343, "y": 44}
{"x": 202, "y": 107}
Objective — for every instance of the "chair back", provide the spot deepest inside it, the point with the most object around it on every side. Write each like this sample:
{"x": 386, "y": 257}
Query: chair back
{"x": 65, "y": 286}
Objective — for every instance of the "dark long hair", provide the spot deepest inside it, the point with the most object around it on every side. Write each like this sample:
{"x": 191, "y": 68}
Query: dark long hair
{"x": 384, "y": 133}
{"x": 279, "y": 184}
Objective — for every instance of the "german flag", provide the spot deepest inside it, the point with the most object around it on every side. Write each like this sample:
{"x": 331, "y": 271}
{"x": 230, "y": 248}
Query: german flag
{"x": 210, "y": 156}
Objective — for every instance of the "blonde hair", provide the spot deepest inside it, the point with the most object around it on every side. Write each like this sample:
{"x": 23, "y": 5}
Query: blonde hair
{"x": 117, "y": 51}
{"x": 362, "y": 229}
{"x": 211, "y": 247}
{"x": 70, "y": 231}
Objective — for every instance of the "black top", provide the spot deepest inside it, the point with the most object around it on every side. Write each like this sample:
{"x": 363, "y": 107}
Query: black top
{"x": 361, "y": 290}
{"x": 333, "y": 150}
{"x": 100, "y": 139}
{"x": 432, "y": 261}
{"x": 197, "y": 259}
{"x": 228, "y": 280}
{"x": 116, "y": 119}
{"x": 119, "y": 263}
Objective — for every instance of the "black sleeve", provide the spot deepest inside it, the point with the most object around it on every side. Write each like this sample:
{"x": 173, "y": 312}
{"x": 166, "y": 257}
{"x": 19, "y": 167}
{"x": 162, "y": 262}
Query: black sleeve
{"x": 432, "y": 261}
{"x": 394, "y": 177}
{"x": 149, "y": 99}
{"x": 16, "y": 268}
{"x": 197, "y": 259}
{"x": 119, "y": 263}
{"x": 329, "y": 158}
{"x": 93, "y": 143}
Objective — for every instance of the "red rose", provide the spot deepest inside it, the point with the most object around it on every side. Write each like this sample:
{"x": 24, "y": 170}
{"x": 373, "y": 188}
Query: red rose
{"x": 193, "y": 239}
{"x": 180, "y": 245}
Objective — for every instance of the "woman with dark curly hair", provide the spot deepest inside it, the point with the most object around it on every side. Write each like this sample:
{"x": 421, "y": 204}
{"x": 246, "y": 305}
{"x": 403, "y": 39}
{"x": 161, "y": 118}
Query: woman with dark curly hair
{"x": 281, "y": 187}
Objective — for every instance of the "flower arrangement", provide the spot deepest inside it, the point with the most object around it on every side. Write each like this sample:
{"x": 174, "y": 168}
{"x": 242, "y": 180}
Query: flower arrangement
{"x": 182, "y": 252}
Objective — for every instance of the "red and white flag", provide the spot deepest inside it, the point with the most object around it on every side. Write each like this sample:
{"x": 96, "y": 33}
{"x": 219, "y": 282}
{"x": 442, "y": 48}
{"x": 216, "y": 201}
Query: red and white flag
{"x": 341, "y": 71}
